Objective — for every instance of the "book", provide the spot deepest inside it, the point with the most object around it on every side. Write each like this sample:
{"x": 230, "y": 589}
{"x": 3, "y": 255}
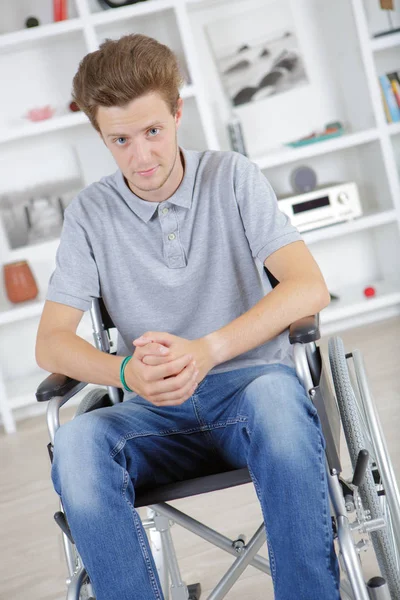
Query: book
{"x": 60, "y": 10}
{"x": 394, "y": 79}
{"x": 385, "y": 106}
{"x": 390, "y": 98}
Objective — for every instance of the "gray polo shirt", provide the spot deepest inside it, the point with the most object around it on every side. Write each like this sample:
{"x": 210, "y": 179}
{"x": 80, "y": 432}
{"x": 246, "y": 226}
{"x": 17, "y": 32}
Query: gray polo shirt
{"x": 188, "y": 265}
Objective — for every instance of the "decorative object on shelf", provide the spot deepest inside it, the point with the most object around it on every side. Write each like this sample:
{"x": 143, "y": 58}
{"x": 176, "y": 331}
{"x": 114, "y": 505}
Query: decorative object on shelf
{"x": 73, "y": 107}
{"x": 38, "y": 219}
{"x": 236, "y": 136}
{"x": 331, "y": 130}
{"x": 19, "y": 282}
{"x": 13, "y": 225}
{"x": 40, "y": 114}
{"x": 117, "y": 3}
{"x": 31, "y": 22}
{"x": 369, "y": 292}
{"x": 390, "y": 92}
{"x": 388, "y": 6}
{"x": 60, "y": 10}
{"x": 303, "y": 179}
{"x": 261, "y": 57}
{"x": 48, "y": 171}
{"x": 44, "y": 217}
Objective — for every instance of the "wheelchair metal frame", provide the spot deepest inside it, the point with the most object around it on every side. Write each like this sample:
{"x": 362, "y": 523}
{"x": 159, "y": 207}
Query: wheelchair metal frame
{"x": 161, "y": 516}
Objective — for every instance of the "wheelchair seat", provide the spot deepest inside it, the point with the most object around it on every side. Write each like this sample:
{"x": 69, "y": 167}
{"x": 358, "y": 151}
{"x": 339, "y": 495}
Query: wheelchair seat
{"x": 192, "y": 487}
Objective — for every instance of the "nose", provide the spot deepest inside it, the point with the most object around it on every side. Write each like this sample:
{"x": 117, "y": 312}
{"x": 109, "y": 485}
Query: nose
{"x": 141, "y": 155}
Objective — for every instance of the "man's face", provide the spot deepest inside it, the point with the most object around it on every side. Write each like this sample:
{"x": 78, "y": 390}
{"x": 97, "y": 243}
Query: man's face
{"x": 142, "y": 137}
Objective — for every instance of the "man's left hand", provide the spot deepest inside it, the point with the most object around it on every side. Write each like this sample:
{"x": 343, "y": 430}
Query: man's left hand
{"x": 200, "y": 349}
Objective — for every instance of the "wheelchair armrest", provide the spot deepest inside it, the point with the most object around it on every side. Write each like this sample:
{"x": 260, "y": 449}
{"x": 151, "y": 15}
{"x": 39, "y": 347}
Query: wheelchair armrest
{"x": 56, "y": 385}
{"x": 305, "y": 330}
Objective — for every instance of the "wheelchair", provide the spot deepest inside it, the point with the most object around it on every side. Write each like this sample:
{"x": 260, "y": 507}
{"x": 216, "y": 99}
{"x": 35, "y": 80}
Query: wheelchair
{"x": 367, "y": 504}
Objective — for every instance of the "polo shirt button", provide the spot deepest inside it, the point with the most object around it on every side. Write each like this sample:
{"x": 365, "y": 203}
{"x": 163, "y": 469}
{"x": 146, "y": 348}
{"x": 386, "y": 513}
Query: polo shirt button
{"x": 171, "y": 236}
{"x": 164, "y": 211}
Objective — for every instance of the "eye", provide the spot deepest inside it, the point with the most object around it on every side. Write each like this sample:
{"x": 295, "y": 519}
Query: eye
{"x": 120, "y": 141}
{"x": 153, "y": 131}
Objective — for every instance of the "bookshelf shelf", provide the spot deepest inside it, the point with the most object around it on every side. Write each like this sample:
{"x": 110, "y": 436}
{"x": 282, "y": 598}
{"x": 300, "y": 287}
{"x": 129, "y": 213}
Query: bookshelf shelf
{"x": 54, "y": 124}
{"x": 394, "y": 128}
{"x": 16, "y": 40}
{"x": 366, "y": 222}
{"x": 383, "y": 43}
{"x": 288, "y": 155}
{"x": 10, "y": 313}
{"x": 352, "y": 302}
{"x": 134, "y": 10}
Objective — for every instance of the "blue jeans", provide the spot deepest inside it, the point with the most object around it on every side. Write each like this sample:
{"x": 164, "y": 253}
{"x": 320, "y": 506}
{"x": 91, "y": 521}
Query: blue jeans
{"x": 259, "y": 417}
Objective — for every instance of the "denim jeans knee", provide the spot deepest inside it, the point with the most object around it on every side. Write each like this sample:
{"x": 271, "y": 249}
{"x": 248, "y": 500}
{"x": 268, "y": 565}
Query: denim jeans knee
{"x": 280, "y": 413}
{"x": 79, "y": 449}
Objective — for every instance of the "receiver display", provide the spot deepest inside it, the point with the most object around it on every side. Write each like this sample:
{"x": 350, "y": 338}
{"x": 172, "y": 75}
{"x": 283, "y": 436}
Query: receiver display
{"x": 310, "y": 204}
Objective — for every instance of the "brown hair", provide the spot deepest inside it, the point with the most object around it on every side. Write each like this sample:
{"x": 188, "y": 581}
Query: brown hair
{"x": 122, "y": 70}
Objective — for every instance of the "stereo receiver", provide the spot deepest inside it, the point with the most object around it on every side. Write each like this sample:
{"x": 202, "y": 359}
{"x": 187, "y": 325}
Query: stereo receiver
{"x": 323, "y": 206}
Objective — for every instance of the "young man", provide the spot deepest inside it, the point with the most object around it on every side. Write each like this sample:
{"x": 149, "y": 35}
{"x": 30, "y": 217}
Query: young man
{"x": 175, "y": 242}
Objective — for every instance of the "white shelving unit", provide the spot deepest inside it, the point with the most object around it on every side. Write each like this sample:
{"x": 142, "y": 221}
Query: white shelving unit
{"x": 39, "y": 63}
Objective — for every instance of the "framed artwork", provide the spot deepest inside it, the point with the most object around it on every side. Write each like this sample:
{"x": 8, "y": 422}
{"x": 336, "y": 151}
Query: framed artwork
{"x": 257, "y": 53}
{"x": 32, "y": 204}
{"x": 33, "y": 220}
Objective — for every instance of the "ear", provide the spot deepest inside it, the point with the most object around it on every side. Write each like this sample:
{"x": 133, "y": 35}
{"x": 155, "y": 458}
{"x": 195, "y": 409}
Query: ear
{"x": 178, "y": 114}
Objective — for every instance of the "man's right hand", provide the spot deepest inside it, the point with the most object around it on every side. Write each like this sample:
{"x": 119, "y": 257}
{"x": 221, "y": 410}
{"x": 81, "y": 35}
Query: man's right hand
{"x": 168, "y": 384}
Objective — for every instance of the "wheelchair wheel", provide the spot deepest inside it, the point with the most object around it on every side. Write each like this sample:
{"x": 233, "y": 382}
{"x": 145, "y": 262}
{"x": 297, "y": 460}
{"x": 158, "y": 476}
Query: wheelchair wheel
{"x": 94, "y": 399}
{"x": 357, "y": 436}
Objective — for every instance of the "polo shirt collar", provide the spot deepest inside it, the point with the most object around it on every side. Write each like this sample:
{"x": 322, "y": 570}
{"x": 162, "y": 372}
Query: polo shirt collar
{"x": 182, "y": 197}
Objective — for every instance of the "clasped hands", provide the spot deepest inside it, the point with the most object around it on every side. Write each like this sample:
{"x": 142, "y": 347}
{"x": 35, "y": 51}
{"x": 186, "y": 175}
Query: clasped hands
{"x": 165, "y": 369}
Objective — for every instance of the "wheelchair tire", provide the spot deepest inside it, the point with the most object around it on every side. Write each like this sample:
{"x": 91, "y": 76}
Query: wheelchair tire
{"x": 93, "y": 400}
{"x": 355, "y": 433}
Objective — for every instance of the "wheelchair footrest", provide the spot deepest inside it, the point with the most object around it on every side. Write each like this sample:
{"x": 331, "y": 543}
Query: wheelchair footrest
{"x": 194, "y": 590}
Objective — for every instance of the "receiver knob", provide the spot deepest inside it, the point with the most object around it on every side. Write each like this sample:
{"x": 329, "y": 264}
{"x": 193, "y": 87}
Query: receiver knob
{"x": 343, "y": 198}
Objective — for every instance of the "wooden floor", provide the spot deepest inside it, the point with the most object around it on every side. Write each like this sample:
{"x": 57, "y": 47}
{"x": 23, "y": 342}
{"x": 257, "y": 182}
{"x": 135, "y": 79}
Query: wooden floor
{"x": 31, "y": 558}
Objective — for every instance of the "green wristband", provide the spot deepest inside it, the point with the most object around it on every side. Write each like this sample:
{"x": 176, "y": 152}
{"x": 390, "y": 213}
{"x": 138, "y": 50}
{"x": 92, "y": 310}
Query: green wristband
{"x": 122, "y": 373}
